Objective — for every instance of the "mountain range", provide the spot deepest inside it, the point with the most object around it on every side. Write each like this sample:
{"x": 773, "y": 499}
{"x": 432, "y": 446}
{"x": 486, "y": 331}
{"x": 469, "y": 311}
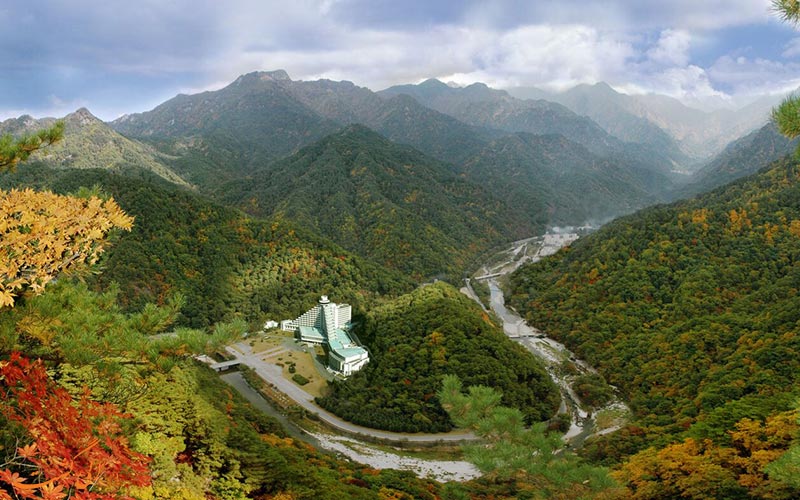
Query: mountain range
{"x": 698, "y": 134}
{"x": 473, "y": 166}
{"x": 252, "y": 200}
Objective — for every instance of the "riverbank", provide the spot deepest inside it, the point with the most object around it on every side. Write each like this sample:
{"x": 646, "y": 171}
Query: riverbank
{"x": 354, "y": 449}
{"x": 555, "y": 356}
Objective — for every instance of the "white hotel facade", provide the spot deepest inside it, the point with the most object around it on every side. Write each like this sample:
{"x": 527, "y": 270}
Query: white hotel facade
{"x": 328, "y": 324}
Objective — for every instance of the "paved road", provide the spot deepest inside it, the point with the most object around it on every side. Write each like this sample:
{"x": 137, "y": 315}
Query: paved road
{"x": 273, "y": 374}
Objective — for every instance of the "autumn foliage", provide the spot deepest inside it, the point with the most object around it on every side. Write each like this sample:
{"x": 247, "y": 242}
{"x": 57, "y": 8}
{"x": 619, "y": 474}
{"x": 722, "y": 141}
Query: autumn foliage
{"x": 73, "y": 448}
{"x": 42, "y": 234}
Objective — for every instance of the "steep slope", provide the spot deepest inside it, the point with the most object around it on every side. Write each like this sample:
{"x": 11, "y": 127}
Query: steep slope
{"x": 556, "y": 179}
{"x": 264, "y": 116}
{"x": 90, "y": 143}
{"x": 700, "y": 134}
{"x": 227, "y": 133}
{"x": 418, "y": 338}
{"x": 741, "y": 158}
{"x": 388, "y": 202}
{"x": 482, "y": 106}
{"x": 222, "y": 262}
{"x": 401, "y": 119}
{"x": 610, "y": 110}
{"x": 691, "y": 309}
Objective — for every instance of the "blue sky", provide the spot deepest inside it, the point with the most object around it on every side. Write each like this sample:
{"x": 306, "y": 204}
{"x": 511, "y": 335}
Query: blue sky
{"x": 117, "y": 57}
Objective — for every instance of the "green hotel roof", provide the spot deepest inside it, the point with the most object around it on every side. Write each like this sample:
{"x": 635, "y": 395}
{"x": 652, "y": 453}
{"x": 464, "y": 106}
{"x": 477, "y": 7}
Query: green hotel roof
{"x": 311, "y": 332}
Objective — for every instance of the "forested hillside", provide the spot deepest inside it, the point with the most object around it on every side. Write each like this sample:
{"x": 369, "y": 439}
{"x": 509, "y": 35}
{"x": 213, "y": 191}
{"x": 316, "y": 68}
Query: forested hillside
{"x": 556, "y": 180}
{"x": 418, "y": 338}
{"x": 223, "y": 263}
{"x": 90, "y": 143}
{"x": 691, "y": 309}
{"x": 390, "y": 203}
{"x": 482, "y": 106}
{"x": 743, "y": 157}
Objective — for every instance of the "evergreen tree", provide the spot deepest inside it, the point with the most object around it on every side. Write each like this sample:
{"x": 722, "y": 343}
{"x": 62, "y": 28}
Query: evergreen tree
{"x": 787, "y": 114}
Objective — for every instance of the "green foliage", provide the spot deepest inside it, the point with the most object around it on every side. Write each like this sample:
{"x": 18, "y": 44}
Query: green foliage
{"x": 508, "y": 449}
{"x": 224, "y": 264}
{"x": 299, "y": 379}
{"x": 787, "y": 468}
{"x": 418, "y": 338}
{"x": 787, "y": 117}
{"x": 386, "y": 202}
{"x": 75, "y": 325}
{"x": 14, "y": 150}
{"x": 592, "y": 390}
{"x": 557, "y": 181}
{"x": 744, "y": 156}
{"x": 690, "y": 309}
{"x": 788, "y": 10}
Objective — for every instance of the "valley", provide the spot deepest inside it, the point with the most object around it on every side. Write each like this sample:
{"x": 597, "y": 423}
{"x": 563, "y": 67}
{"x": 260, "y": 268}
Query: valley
{"x": 562, "y": 365}
{"x": 649, "y": 354}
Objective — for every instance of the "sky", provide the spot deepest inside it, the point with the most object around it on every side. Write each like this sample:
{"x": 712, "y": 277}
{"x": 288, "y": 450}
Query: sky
{"x": 116, "y": 57}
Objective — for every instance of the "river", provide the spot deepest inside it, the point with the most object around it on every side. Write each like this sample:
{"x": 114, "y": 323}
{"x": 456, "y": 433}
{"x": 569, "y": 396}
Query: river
{"x": 553, "y": 354}
{"x": 357, "y": 450}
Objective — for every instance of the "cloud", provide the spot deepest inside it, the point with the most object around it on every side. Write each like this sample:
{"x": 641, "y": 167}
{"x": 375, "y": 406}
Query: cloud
{"x": 551, "y": 56}
{"x": 755, "y": 76}
{"x": 672, "y": 48}
{"x": 792, "y": 49}
{"x": 119, "y": 56}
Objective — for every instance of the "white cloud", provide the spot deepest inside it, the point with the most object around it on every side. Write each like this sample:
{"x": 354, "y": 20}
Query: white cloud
{"x": 756, "y": 76}
{"x": 792, "y": 49}
{"x": 672, "y": 48}
{"x": 499, "y": 42}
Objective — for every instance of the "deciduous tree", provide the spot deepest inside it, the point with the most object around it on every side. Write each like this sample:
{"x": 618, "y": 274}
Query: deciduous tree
{"x": 70, "y": 448}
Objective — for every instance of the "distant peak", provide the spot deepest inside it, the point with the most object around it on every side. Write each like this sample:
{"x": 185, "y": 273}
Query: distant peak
{"x": 265, "y": 76}
{"x": 601, "y": 87}
{"x": 82, "y": 117}
{"x": 278, "y": 74}
{"x": 432, "y": 82}
{"x": 604, "y": 86}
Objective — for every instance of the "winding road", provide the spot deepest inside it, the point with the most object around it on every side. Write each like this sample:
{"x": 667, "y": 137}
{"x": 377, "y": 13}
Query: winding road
{"x": 273, "y": 375}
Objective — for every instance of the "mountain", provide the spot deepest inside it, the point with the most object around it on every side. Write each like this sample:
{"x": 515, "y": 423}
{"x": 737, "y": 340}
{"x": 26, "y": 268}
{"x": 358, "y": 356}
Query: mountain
{"x": 608, "y": 108}
{"x": 382, "y": 200}
{"x": 691, "y": 309}
{"x": 703, "y": 134}
{"x": 479, "y": 105}
{"x": 224, "y": 134}
{"x": 264, "y": 116}
{"x": 90, "y": 143}
{"x": 741, "y": 158}
{"x": 562, "y": 182}
{"x": 699, "y": 134}
{"x": 482, "y": 106}
{"x": 418, "y": 338}
{"x": 401, "y": 119}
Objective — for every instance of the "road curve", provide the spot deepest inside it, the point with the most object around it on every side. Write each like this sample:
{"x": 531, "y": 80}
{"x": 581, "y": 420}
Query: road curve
{"x": 273, "y": 374}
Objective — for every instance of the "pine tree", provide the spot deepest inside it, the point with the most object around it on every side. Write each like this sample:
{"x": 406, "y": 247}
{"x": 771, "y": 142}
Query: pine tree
{"x": 13, "y": 151}
{"x": 787, "y": 115}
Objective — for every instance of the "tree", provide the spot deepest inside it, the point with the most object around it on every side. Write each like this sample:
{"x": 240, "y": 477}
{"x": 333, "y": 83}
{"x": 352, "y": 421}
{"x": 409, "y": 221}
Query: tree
{"x": 13, "y": 151}
{"x": 509, "y": 451}
{"x": 68, "y": 448}
{"x": 787, "y": 115}
{"x": 43, "y": 234}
